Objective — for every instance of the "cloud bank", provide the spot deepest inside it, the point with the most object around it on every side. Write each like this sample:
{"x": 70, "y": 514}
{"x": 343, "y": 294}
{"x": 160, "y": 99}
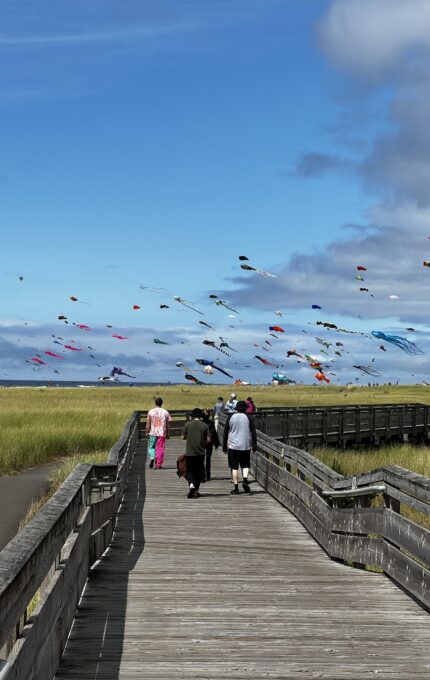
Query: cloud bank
{"x": 383, "y": 49}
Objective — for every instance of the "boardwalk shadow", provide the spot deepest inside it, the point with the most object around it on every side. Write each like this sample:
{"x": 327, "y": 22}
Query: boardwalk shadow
{"x": 95, "y": 646}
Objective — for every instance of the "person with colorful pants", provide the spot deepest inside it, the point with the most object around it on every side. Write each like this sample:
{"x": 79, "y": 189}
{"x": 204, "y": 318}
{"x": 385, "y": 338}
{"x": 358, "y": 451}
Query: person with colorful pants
{"x": 157, "y": 431}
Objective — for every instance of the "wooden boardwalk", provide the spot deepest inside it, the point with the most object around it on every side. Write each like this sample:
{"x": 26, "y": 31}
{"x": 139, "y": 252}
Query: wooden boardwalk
{"x": 233, "y": 587}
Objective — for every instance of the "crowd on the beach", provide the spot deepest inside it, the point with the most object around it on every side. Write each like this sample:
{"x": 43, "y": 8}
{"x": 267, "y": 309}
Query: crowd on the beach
{"x": 201, "y": 434}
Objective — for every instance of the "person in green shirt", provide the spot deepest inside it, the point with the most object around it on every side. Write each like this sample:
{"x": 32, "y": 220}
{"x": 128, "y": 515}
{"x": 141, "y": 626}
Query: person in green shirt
{"x": 196, "y": 433}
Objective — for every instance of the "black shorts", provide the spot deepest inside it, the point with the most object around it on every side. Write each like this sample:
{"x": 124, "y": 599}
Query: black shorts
{"x": 236, "y": 458}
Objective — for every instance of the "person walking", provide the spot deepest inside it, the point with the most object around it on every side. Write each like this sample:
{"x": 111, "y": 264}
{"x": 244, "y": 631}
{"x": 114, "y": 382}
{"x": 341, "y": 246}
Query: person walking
{"x": 250, "y": 406}
{"x": 196, "y": 434}
{"x": 239, "y": 437}
{"x": 157, "y": 431}
{"x": 231, "y": 404}
{"x": 214, "y": 441}
{"x": 218, "y": 409}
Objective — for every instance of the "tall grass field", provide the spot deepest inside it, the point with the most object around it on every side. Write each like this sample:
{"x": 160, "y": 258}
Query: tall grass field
{"x": 38, "y": 425}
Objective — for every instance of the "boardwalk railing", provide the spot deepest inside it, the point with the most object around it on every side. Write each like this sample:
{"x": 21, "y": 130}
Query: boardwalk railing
{"x": 43, "y": 570}
{"x": 340, "y": 425}
{"x": 371, "y": 520}
{"x": 336, "y": 425}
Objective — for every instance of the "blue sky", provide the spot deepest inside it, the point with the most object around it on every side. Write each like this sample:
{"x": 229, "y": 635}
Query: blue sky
{"x": 154, "y": 142}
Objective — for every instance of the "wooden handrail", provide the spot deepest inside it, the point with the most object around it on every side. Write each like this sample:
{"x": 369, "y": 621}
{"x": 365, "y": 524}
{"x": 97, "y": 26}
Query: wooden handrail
{"x": 340, "y": 513}
{"x": 52, "y": 556}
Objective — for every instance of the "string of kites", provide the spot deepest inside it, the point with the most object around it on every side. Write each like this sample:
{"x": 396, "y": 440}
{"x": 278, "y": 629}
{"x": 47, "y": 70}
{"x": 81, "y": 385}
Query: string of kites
{"x": 209, "y": 367}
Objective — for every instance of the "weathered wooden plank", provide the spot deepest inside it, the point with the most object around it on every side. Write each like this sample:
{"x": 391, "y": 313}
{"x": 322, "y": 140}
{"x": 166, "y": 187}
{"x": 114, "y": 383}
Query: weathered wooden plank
{"x": 408, "y": 573}
{"x": 316, "y": 467}
{"x": 358, "y": 549}
{"x": 37, "y": 652}
{"x": 407, "y": 535}
{"x": 299, "y": 498}
{"x": 392, "y": 492}
{"x": 409, "y": 482}
{"x": 102, "y": 511}
{"x": 26, "y": 560}
{"x": 100, "y": 540}
{"x": 362, "y": 479}
{"x": 266, "y": 470}
{"x": 358, "y": 520}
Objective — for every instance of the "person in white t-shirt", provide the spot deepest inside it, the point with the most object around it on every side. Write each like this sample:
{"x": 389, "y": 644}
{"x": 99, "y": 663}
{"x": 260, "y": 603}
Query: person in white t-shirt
{"x": 240, "y": 437}
{"x": 157, "y": 431}
{"x": 230, "y": 406}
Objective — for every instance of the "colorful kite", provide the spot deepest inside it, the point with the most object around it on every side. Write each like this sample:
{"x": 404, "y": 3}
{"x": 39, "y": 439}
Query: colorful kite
{"x": 192, "y": 379}
{"x": 118, "y": 371}
{"x": 281, "y": 379}
{"x": 248, "y": 268}
{"x": 278, "y": 329}
{"x": 119, "y": 337}
{"x": 403, "y": 343}
{"x": 210, "y": 364}
{"x": 321, "y": 377}
{"x": 264, "y": 361}
{"x": 368, "y": 370}
{"x": 203, "y": 323}
{"x": 186, "y": 303}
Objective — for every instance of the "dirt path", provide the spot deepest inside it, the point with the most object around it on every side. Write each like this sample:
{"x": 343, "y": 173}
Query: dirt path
{"x": 16, "y": 494}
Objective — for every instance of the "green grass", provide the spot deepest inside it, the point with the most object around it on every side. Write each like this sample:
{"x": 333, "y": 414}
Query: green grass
{"x": 41, "y": 425}
{"x": 353, "y": 461}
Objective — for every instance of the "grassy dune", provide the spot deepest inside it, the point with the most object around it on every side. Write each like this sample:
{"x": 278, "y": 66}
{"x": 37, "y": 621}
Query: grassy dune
{"x": 40, "y": 425}
{"x": 354, "y": 461}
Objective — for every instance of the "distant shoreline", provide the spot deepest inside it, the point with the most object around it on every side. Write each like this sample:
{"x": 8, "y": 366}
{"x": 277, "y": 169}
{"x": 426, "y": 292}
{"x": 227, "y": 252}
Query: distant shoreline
{"x": 79, "y": 383}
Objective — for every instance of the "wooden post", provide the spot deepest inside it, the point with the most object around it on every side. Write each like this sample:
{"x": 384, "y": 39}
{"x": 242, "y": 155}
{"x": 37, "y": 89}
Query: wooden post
{"x": 324, "y": 425}
{"x": 284, "y": 427}
{"x": 392, "y": 503}
{"x": 305, "y": 427}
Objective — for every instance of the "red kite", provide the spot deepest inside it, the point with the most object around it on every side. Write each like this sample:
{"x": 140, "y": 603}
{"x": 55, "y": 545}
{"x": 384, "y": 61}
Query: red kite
{"x": 265, "y": 361}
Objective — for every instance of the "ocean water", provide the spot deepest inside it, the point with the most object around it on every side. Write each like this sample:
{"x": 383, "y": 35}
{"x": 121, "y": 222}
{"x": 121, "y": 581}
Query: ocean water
{"x": 76, "y": 383}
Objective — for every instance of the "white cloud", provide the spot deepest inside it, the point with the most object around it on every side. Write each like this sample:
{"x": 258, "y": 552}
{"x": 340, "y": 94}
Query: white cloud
{"x": 101, "y": 36}
{"x": 371, "y": 36}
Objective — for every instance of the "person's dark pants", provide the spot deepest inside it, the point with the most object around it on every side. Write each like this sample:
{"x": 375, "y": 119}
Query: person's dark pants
{"x": 195, "y": 470}
{"x": 209, "y": 449}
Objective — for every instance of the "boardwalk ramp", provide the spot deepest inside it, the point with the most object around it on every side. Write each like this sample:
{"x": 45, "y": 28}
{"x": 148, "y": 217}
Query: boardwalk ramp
{"x": 232, "y": 587}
